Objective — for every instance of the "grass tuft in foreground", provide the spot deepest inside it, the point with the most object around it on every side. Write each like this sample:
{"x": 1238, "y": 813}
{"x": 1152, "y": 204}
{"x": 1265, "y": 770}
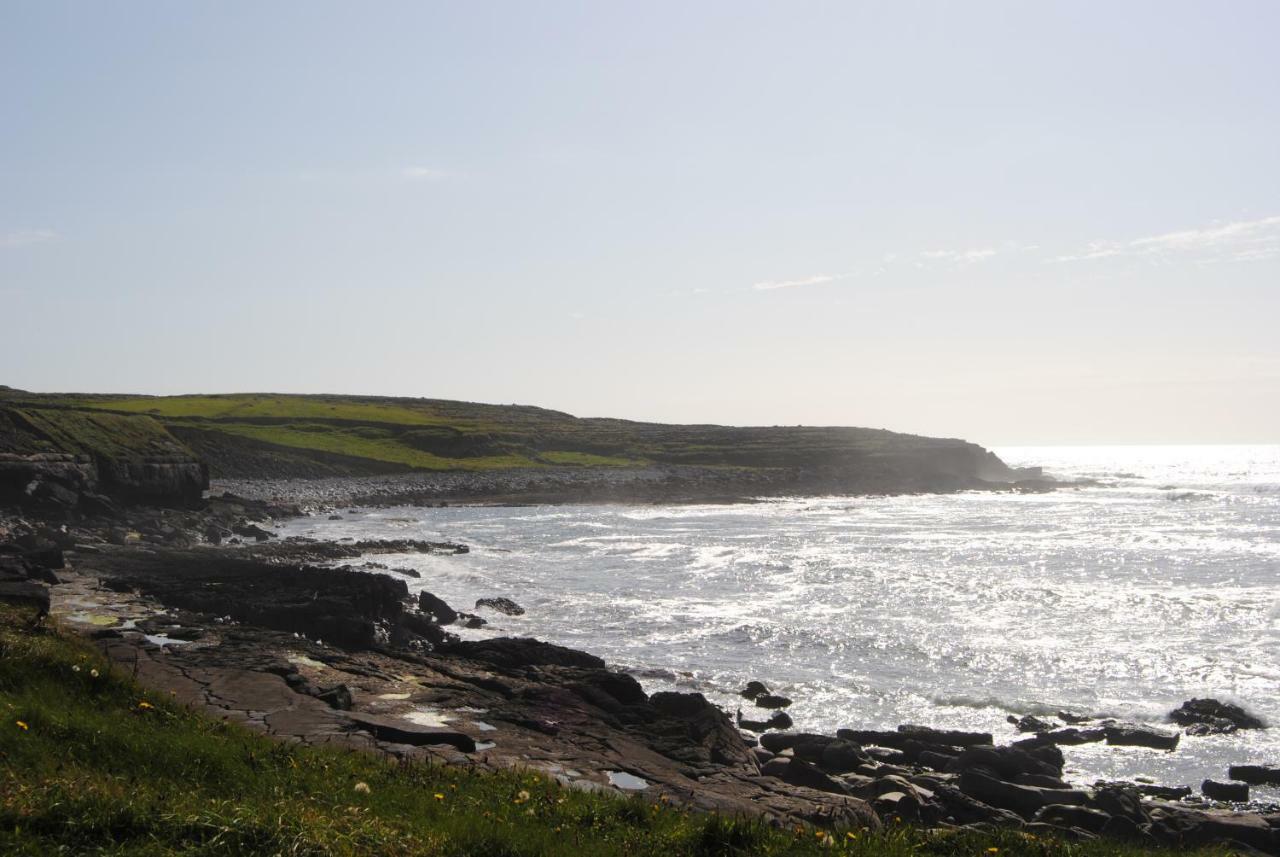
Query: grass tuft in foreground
{"x": 92, "y": 764}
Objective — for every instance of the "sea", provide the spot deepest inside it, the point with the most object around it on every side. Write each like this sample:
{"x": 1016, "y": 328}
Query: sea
{"x": 1153, "y": 582}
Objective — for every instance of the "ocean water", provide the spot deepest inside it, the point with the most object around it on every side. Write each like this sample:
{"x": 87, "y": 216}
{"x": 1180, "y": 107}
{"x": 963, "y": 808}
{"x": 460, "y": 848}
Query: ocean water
{"x": 1124, "y": 599}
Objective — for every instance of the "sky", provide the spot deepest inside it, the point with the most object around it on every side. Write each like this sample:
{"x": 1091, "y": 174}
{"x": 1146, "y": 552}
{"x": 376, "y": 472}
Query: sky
{"x": 1017, "y": 223}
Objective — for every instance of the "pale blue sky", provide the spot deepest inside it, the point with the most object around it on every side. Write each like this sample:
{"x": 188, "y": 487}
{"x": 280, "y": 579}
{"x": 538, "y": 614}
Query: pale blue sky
{"x": 1012, "y": 222}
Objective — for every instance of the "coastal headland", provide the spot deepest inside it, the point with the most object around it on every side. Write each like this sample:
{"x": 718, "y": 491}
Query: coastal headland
{"x": 107, "y": 524}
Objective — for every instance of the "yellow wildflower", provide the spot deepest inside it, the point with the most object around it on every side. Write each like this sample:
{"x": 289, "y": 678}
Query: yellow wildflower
{"x": 24, "y": 727}
{"x": 439, "y": 796}
{"x": 145, "y": 706}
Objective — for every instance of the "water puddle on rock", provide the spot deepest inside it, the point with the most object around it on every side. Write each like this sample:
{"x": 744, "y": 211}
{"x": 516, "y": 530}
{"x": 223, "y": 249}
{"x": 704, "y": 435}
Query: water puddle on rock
{"x": 162, "y": 641}
{"x": 484, "y": 727}
{"x": 428, "y": 717}
{"x": 481, "y": 746}
{"x": 625, "y": 781}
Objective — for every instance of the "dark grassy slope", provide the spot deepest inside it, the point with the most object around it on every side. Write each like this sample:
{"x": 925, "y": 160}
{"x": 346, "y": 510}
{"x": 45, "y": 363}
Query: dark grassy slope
{"x": 248, "y": 435}
{"x": 90, "y": 763}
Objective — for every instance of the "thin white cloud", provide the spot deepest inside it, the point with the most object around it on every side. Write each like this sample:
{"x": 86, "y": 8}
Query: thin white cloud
{"x": 1238, "y": 241}
{"x": 962, "y": 257}
{"x": 26, "y": 237}
{"x": 818, "y": 279}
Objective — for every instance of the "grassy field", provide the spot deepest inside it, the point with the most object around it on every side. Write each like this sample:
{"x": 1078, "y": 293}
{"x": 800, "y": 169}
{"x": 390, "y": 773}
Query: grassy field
{"x": 238, "y": 432}
{"x": 90, "y": 763}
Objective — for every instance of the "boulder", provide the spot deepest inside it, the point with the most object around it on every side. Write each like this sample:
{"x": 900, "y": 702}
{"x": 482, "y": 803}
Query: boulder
{"x": 769, "y": 700}
{"x": 1010, "y": 762}
{"x": 1030, "y": 723}
{"x": 338, "y": 697}
{"x": 1024, "y": 800}
{"x": 691, "y": 729}
{"x": 436, "y": 607}
{"x": 753, "y": 690}
{"x": 798, "y": 772}
{"x": 502, "y": 605}
{"x": 1258, "y": 775}
{"x": 1065, "y": 815}
{"x": 1131, "y": 735}
{"x": 777, "y": 742}
{"x": 1229, "y": 792}
{"x": 1213, "y": 716}
{"x": 949, "y": 737}
{"x": 1068, "y": 736}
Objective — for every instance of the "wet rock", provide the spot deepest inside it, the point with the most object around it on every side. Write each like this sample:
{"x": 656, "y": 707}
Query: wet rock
{"x": 769, "y": 700}
{"x": 1030, "y": 723}
{"x": 1068, "y": 736}
{"x": 695, "y": 731}
{"x": 840, "y": 757}
{"x": 470, "y": 620}
{"x": 753, "y": 690}
{"x": 436, "y": 607}
{"x": 1229, "y": 792}
{"x": 1213, "y": 717}
{"x": 501, "y": 605}
{"x": 1119, "y": 801}
{"x": 949, "y": 737}
{"x": 1131, "y": 735}
{"x": 780, "y": 720}
{"x": 1258, "y": 775}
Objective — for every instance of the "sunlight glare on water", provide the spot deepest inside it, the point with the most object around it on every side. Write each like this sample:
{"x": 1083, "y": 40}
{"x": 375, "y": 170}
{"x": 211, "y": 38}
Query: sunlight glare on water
{"x": 1125, "y": 598}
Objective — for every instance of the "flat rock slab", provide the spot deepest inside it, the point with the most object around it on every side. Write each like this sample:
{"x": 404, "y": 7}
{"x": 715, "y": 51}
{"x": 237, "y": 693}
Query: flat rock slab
{"x": 404, "y": 732}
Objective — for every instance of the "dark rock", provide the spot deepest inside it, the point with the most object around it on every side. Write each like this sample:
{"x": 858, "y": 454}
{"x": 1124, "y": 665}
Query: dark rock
{"x": 338, "y": 696}
{"x": 1030, "y": 723}
{"x": 798, "y": 772}
{"x": 777, "y": 742}
{"x": 403, "y": 732}
{"x": 28, "y": 594}
{"x": 1119, "y": 801}
{"x": 1068, "y": 736}
{"x": 1072, "y": 719}
{"x": 780, "y": 720}
{"x": 753, "y": 689}
{"x": 841, "y": 757}
{"x": 470, "y": 620}
{"x": 252, "y": 531}
{"x": 1258, "y": 775}
{"x": 502, "y": 605}
{"x": 768, "y": 700}
{"x": 696, "y": 731}
{"x": 1217, "y": 716}
{"x": 1009, "y": 762}
{"x": 1229, "y": 792}
{"x": 1024, "y": 800}
{"x": 436, "y": 608}
{"x": 426, "y": 627}
{"x": 1063, "y": 815}
{"x": 523, "y": 651}
{"x": 1130, "y": 735}
{"x": 950, "y": 737}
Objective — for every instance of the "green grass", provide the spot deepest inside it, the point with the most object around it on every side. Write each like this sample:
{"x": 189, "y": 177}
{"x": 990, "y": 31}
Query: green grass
{"x": 96, "y": 765}
{"x": 84, "y": 432}
{"x": 356, "y": 442}
{"x": 240, "y": 407}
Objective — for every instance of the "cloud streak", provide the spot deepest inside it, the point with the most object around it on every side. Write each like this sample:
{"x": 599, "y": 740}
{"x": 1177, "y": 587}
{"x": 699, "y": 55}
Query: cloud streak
{"x": 26, "y": 237}
{"x": 816, "y": 280}
{"x": 1238, "y": 241}
{"x": 424, "y": 174}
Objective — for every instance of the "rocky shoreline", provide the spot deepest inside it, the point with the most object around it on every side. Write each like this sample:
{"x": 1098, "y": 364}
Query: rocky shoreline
{"x": 207, "y": 605}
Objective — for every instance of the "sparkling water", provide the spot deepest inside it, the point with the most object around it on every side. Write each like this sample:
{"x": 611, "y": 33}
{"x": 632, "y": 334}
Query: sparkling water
{"x": 1123, "y": 599}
